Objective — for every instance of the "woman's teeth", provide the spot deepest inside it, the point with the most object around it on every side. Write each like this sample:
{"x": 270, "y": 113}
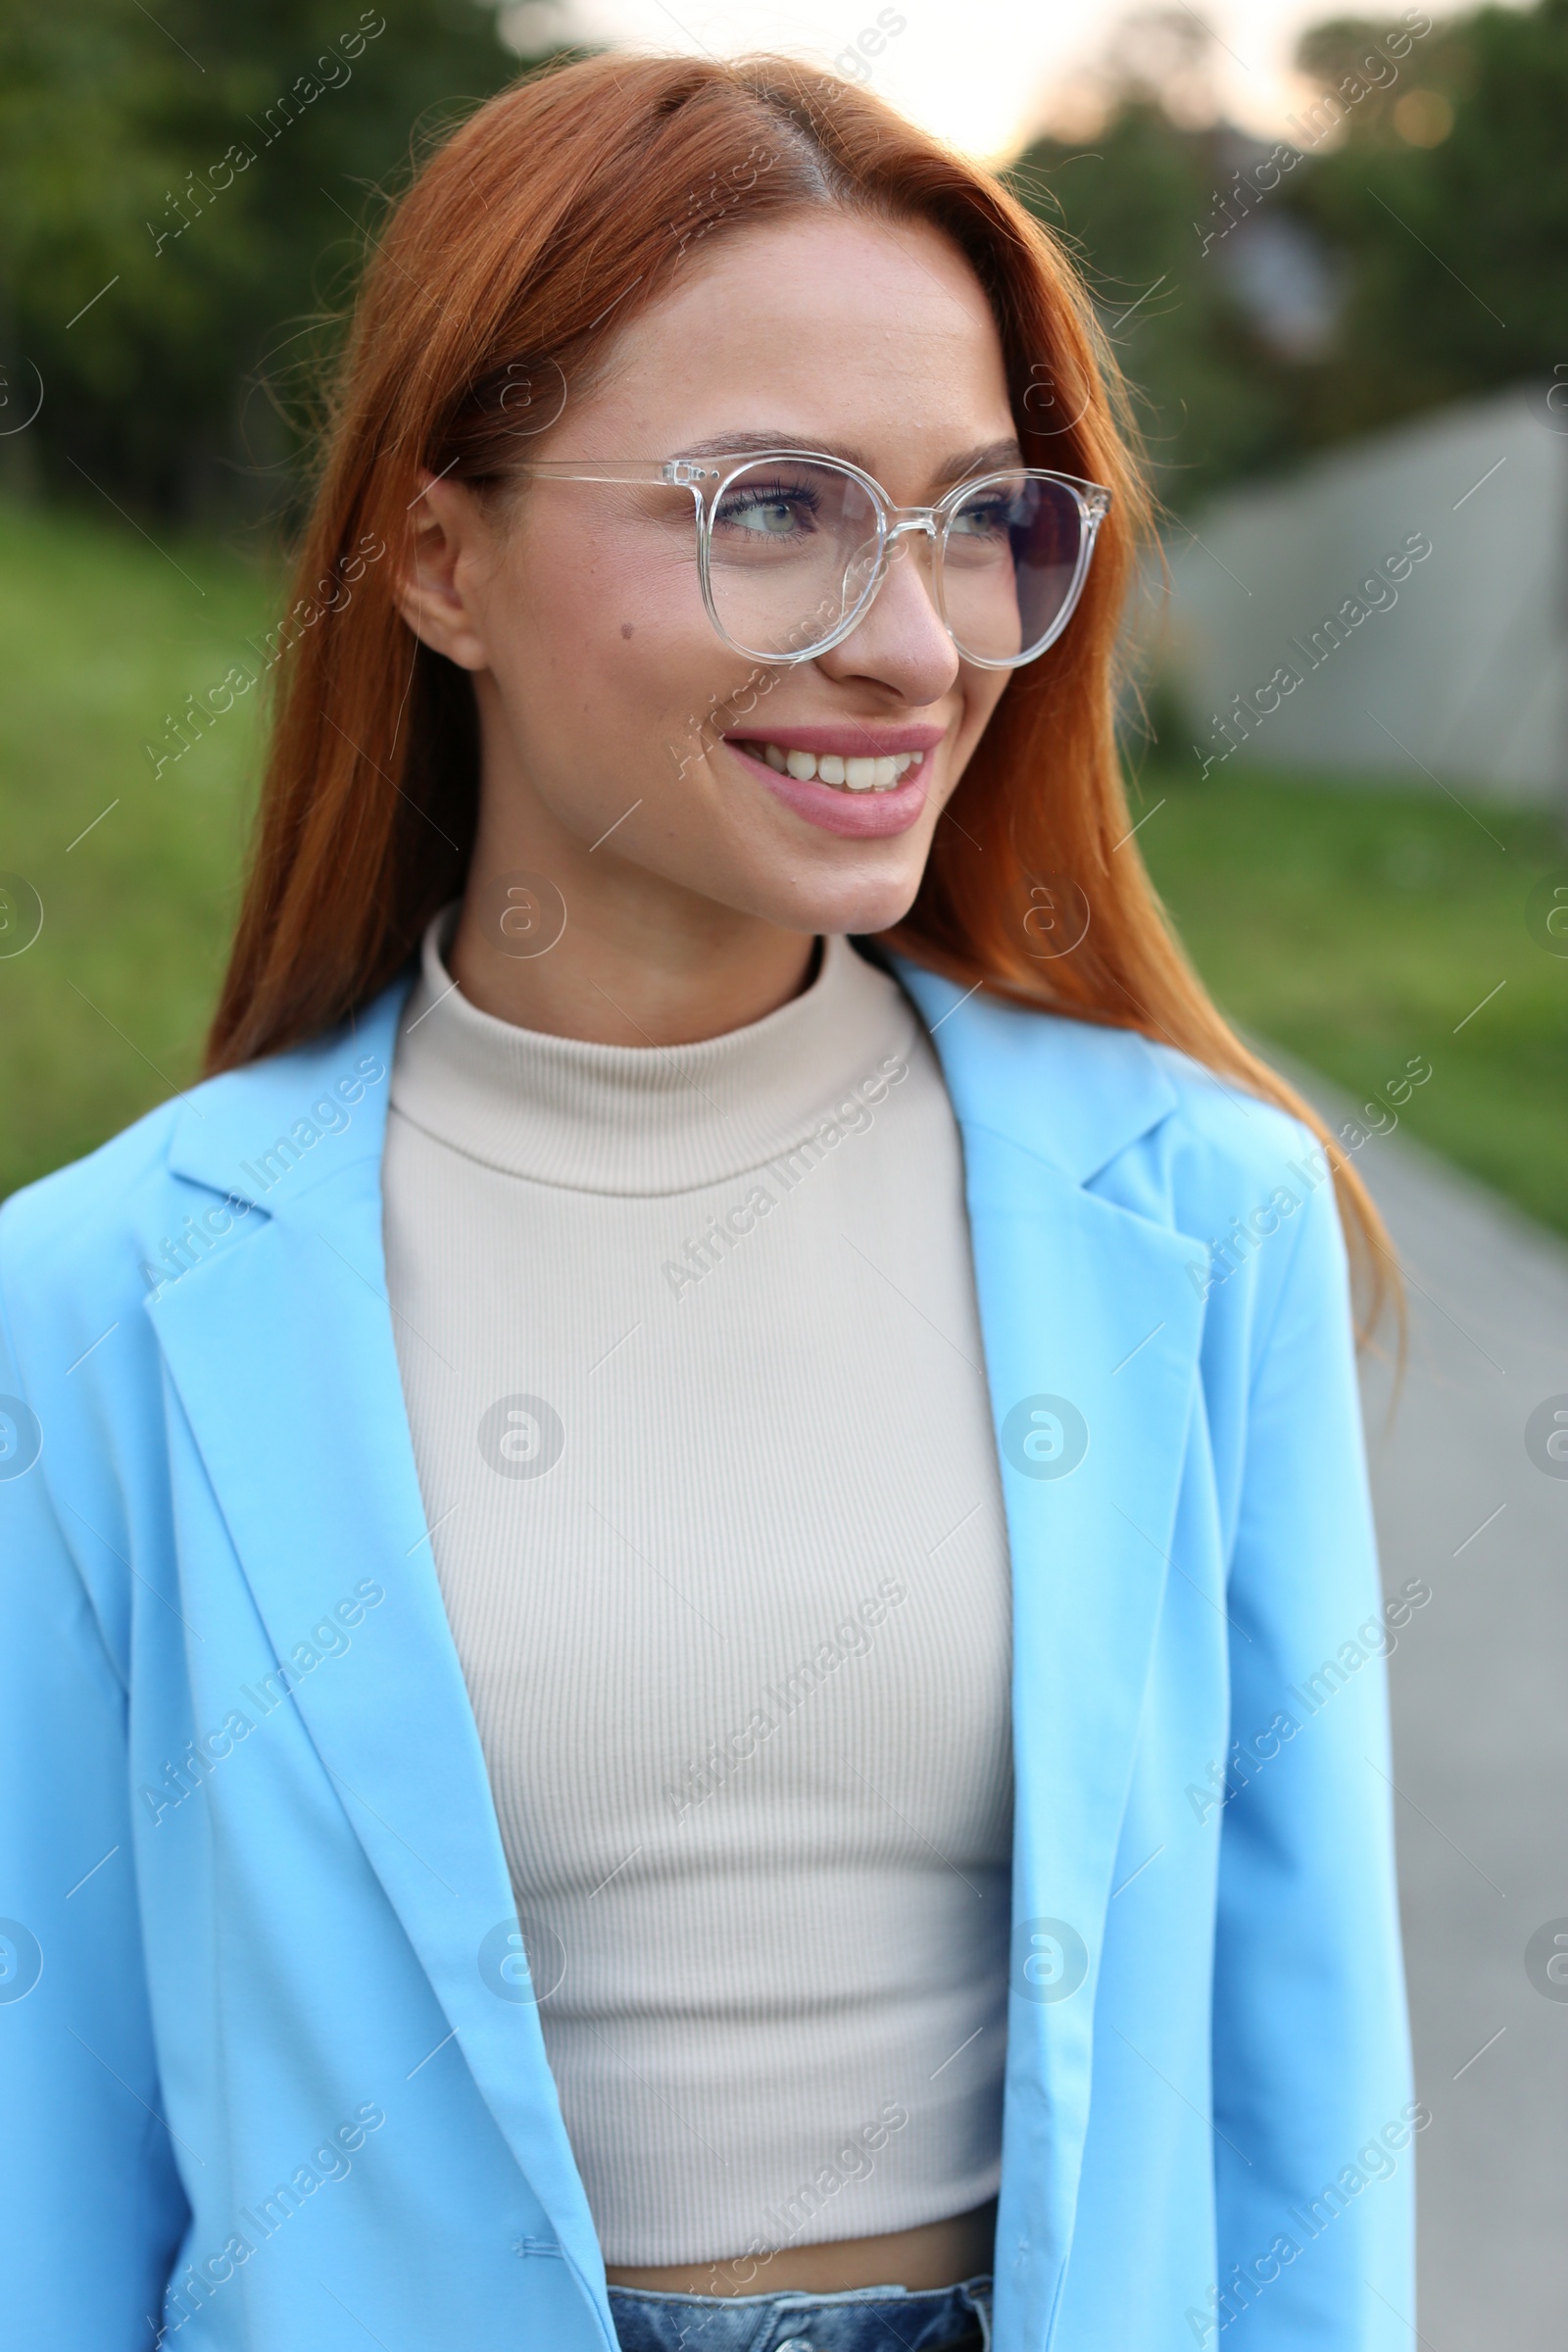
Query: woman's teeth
{"x": 830, "y": 767}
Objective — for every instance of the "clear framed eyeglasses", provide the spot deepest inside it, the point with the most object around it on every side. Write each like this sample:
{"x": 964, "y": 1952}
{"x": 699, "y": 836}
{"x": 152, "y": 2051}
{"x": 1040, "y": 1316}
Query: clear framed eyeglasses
{"x": 792, "y": 546}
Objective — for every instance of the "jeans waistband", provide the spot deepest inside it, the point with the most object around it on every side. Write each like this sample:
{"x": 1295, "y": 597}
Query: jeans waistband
{"x": 866, "y": 2319}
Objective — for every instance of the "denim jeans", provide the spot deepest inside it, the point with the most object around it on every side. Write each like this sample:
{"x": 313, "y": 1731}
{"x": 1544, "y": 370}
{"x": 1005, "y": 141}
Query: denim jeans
{"x": 868, "y": 2318}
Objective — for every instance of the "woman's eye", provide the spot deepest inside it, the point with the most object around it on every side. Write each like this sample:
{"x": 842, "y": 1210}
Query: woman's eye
{"x": 777, "y": 508}
{"x": 774, "y": 518}
{"x": 989, "y": 522}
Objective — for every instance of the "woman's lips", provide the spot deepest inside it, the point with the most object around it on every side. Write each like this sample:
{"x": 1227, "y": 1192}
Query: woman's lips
{"x": 853, "y": 815}
{"x": 855, "y": 737}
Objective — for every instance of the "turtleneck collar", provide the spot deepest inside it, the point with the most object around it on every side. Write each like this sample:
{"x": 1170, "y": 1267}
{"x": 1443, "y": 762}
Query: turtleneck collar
{"x": 640, "y": 1119}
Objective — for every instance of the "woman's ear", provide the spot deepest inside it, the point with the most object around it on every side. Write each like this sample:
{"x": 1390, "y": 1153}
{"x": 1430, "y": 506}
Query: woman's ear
{"x": 439, "y": 591}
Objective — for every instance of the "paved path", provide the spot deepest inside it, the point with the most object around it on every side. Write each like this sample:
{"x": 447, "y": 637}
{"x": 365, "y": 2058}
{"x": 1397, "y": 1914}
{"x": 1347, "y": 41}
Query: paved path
{"x": 1480, "y": 1683}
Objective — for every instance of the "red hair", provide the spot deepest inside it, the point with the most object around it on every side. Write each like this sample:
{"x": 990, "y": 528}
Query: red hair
{"x": 552, "y": 215}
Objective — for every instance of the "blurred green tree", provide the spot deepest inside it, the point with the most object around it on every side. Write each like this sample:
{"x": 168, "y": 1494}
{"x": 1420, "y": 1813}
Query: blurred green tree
{"x": 181, "y": 193}
{"x": 1132, "y": 197}
{"x": 1413, "y": 249}
{"x": 1447, "y": 202}
{"x": 1212, "y": 398}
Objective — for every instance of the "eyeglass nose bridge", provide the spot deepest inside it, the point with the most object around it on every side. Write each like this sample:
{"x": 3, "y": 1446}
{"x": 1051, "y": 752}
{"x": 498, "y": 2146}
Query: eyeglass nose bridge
{"x": 901, "y": 520}
{"x": 908, "y": 518}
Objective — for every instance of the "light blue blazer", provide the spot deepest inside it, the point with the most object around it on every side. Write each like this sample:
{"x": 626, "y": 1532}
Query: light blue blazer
{"x": 274, "y": 2079}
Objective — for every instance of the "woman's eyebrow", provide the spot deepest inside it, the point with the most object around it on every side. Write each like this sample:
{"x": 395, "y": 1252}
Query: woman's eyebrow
{"x": 986, "y": 460}
{"x": 744, "y": 443}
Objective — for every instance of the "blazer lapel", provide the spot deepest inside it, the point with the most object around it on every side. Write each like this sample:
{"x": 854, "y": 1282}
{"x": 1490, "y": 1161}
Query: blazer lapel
{"x": 281, "y": 1348}
{"x": 1092, "y": 1331}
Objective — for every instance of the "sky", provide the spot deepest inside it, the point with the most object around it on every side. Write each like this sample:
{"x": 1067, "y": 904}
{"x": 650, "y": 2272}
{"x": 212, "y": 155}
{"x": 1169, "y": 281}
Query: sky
{"x": 984, "y": 75}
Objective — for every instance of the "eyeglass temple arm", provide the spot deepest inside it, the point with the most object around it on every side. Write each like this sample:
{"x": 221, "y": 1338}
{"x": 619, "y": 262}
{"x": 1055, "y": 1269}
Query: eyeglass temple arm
{"x": 675, "y": 471}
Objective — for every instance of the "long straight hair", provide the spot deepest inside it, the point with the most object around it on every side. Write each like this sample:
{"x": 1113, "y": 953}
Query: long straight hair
{"x": 556, "y": 213}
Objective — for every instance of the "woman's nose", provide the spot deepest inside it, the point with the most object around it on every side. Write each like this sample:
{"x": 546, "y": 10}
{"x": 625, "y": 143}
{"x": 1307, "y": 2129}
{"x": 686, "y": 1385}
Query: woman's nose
{"x": 901, "y": 639}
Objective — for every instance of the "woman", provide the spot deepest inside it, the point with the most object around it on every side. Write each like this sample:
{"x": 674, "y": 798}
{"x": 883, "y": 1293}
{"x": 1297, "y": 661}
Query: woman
{"x": 661, "y": 1567}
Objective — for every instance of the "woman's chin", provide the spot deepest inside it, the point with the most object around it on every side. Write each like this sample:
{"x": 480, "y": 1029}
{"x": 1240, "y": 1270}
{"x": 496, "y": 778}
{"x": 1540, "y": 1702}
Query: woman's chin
{"x": 857, "y": 912}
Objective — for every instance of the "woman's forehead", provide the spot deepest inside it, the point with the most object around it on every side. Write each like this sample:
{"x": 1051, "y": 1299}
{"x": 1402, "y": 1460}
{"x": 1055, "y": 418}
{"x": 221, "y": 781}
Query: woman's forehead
{"x": 824, "y": 324}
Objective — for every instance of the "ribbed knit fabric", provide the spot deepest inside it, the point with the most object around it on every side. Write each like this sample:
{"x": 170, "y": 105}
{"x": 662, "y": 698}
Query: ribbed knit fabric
{"x": 693, "y": 1375}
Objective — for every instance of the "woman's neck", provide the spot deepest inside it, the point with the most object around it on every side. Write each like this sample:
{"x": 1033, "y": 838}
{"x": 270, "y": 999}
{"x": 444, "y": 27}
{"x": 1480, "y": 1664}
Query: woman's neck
{"x": 619, "y": 977}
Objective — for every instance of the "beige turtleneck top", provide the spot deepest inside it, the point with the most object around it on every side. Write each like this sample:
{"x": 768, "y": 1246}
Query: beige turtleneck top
{"x": 694, "y": 1377}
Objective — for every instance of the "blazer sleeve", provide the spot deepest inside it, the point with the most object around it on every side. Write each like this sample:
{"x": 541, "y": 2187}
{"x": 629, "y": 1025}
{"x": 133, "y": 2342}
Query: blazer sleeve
{"x": 93, "y": 2207}
{"x": 1315, "y": 2114}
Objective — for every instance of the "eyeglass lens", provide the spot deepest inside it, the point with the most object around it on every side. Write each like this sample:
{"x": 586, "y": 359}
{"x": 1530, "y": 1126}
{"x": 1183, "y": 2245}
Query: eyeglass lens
{"x": 793, "y": 557}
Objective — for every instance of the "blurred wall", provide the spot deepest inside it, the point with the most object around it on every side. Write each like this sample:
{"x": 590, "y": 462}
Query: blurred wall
{"x": 1398, "y": 607}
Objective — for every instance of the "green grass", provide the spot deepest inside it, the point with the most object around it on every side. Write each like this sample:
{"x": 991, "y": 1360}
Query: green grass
{"x": 101, "y": 637}
{"x": 1357, "y": 929}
